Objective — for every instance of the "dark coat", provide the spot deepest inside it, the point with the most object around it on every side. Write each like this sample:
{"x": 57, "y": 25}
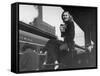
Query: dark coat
{"x": 69, "y": 32}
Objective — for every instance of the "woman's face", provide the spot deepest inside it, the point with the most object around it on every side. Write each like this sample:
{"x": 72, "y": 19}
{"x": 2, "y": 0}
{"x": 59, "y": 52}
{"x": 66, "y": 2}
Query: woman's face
{"x": 66, "y": 16}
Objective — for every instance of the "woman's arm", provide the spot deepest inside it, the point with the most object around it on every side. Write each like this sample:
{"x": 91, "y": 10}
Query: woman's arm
{"x": 62, "y": 29}
{"x": 72, "y": 30}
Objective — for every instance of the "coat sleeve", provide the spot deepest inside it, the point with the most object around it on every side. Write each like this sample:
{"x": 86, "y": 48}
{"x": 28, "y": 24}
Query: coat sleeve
{"x": 72, "y": 30}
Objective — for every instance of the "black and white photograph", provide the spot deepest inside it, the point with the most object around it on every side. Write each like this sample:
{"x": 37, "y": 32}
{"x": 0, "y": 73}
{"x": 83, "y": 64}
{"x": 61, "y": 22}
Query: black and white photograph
{"x": 56, "y": 37}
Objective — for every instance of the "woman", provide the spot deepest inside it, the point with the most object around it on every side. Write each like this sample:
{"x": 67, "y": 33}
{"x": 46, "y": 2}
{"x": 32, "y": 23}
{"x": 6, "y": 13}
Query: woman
{"x": 68, "y": 30}
{"x": 62, "y": 51}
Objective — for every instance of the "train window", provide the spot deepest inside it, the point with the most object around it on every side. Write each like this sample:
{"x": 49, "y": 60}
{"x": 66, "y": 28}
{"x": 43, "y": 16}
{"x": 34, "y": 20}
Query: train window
{"x": 52, "y": 16}
{"x": 27, "y": 13}
{"x": 79, "y": 36}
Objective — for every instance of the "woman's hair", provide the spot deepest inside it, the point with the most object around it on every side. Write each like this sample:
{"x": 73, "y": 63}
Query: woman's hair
{"x": 70, "y": 16}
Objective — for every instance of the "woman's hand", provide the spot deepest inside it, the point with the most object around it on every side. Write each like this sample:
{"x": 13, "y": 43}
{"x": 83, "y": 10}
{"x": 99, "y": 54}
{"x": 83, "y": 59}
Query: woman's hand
{"x": 62, "y": 28}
